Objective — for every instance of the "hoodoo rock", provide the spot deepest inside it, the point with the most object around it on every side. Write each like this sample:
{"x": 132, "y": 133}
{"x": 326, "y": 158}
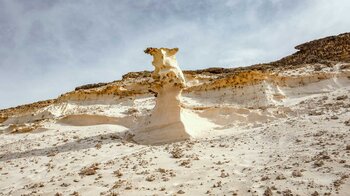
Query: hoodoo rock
{"x": 165, "y": 122}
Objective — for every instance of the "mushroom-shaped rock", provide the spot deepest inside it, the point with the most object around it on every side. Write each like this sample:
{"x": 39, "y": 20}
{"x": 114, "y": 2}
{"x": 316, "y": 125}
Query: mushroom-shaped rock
{"x": 164, "y": 124}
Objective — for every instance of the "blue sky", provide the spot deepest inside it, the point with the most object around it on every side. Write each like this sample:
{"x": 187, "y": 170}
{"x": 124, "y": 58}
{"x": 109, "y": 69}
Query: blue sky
{"x": 49, "y": 47}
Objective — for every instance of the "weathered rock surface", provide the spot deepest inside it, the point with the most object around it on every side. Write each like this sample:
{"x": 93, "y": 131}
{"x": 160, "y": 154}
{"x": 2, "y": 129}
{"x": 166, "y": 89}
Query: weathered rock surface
{"x": 164, "y": 124}
{"x": 288, "y": 72}
{"x": 327, "y": 50}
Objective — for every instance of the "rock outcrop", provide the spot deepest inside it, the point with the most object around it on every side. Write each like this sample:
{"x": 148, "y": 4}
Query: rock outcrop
{"x": 316, "y": 61}
{"x": 326, "y": 50}
{"x": 164, "y": 124}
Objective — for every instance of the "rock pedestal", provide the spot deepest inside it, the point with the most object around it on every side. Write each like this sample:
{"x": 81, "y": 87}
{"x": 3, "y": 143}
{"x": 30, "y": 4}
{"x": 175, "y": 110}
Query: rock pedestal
{"x": 164, "y": 124}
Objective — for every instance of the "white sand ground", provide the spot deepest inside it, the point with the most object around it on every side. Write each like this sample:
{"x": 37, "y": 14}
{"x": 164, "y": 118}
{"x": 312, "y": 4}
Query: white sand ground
{"x": 241, "y": 145}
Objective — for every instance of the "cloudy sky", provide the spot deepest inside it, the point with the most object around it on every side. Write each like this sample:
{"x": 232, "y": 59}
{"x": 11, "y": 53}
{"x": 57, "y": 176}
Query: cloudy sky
{"x": 48, "y": 47}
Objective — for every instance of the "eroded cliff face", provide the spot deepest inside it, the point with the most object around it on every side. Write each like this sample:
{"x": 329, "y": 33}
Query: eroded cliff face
{"x": 319, "y": 66}
{"x": 323, "y": 58}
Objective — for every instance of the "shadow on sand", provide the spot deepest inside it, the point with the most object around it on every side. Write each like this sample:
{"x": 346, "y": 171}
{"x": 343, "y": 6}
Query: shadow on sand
{"x": 76, "y": 145}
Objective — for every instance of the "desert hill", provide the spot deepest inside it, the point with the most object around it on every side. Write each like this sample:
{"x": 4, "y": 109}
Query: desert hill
{"x": 324, "y": 52}
{"x": 276, "y": 128}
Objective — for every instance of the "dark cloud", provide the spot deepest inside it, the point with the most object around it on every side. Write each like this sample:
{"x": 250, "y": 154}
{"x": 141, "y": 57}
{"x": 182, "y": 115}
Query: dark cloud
{"x": 49, "y": 47}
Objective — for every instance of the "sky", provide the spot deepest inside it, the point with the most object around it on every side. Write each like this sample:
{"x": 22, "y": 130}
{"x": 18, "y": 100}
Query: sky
{"x": 49, "y": 47}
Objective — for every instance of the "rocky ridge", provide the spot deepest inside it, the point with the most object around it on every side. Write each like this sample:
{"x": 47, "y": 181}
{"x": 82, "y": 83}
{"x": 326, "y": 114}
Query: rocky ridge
{"x": 321, "y": 53}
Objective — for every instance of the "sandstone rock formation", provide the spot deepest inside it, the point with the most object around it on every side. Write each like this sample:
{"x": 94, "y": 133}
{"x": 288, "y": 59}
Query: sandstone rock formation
{"x": 164, "y": 124}
{"x": 275, "y": 128}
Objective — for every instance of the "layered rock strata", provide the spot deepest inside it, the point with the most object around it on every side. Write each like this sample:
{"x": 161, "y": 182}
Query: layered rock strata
{"x": 258, "y": 86}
